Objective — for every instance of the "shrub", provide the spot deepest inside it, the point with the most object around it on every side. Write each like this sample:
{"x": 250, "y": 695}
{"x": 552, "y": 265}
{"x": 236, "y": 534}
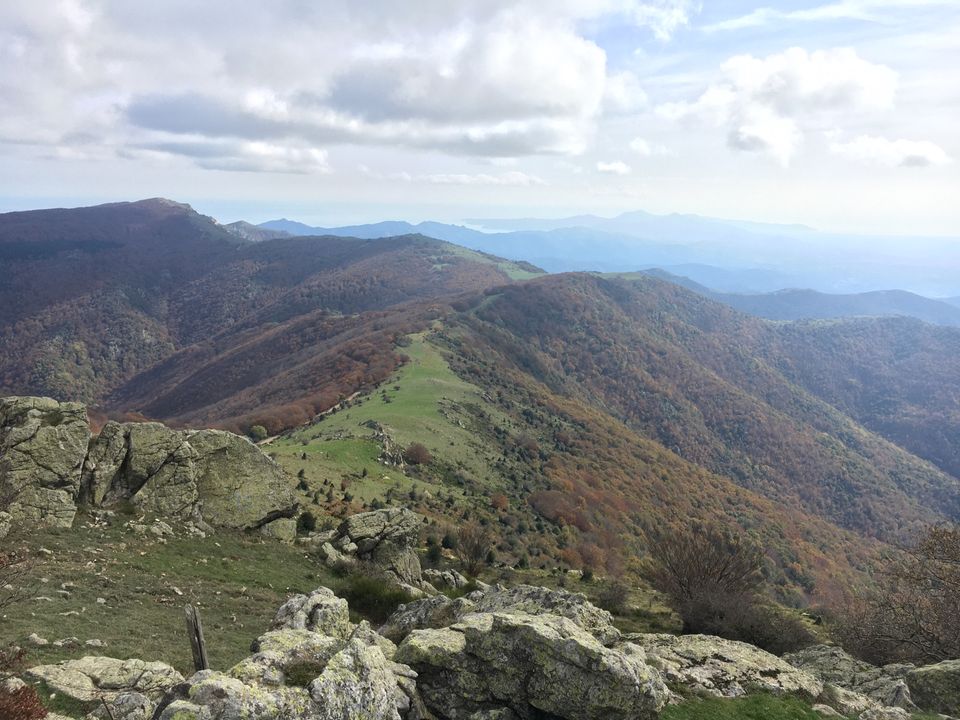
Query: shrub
{"x": 434, "y": 555}
{"x": 373, "y": 597}
{"x": 473, "y": 547}
{"x": 306, "y": 523}
{"x": 914, "y": 616}
{"x": 613, "y": 598}
{"x": 258, "y": 433}
{"x": 417, "y": 454}
{"x": 712, "y": 580}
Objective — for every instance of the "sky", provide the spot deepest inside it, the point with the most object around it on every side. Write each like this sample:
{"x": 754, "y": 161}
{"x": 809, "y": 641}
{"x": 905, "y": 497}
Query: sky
{"x": 840, "y": 114}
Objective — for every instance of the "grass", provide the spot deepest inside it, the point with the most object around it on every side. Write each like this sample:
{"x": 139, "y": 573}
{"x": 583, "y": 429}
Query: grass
{"x": 755, "y": 707}
{"x": 511, "y": 269}
{"x": 424, "y": 402}
{"x": 238, "y": 583}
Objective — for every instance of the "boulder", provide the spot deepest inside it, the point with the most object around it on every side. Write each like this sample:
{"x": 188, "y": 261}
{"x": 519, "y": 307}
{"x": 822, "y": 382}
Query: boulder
{"x": 886, "y": 685}
{"x": 724, "y": 668}
{"x": 321, "y": 611}
{"x": 440, "y": 611}
{"x": 6, "y": 523}
{"x": 398, "y": 526}
{"x": 283, "y": 529}
{"x": 42, "y": 446}
{"x": 125, "y": 706}
{"x": 936, "y": 687}
{"x": 445, "y": 579}
{"x": 885, "y": 713}
{"x": 532, "y": 665}
{"x": 90, "y": 678}
{"x": 312, "y": 666}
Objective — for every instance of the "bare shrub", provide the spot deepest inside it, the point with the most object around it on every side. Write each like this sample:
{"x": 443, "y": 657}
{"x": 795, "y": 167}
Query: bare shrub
{"x": 914, "y": 615}
{"x": 713, "y": 581}
{"x": 417, "y": 454}
{"x": 473, "y": 546}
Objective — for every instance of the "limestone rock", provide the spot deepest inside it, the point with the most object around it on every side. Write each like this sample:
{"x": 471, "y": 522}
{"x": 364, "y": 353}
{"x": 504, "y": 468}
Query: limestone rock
{"x": 445, "y": 579}
{"x": 724, "y": 668}
{"x": 321, "y": 611}
{"x": 886, "y": 685}
{"x": 125, "y": 706}
{"x": 937, "y": 687}
{"x": 440, "y": 611}
{"x": 282, "y": 529}
{"x": 90, "y": 678}
{"x": 42, "y": 446}
{"x": 535, "y": 666}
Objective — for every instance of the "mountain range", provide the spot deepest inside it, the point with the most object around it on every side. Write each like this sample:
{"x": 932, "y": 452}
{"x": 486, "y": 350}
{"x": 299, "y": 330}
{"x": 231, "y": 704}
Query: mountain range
{"x": 578, "y": 413}
{"x": 727, "y": 256}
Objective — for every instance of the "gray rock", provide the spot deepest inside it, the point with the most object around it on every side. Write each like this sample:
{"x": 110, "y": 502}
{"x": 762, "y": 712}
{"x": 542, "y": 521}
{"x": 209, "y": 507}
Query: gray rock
{"x": 886, "y": 685}
{"x": 321, "y": 611}
{"x": 42, "y": 446}
{"x": 937, "y": 687}
{"x": 396, "y": 525}
{"x": 535, "y": 666}
{"x": 282, "y": 529}
{"x": 445, "y": 579}
{"x": 90, "y": 678}
{"x": 440, "y": 611}
{"x": 885, "y": 713}
{"x": 6, "y": 523}
{"x": 125, "y": 706}
{"x": 724, "y": 668}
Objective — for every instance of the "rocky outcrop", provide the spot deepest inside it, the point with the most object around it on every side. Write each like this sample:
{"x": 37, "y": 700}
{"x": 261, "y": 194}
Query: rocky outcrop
{"x": 383, "y": 538}
{"x": 441, "y": 611}
{"x": 534, "y": 666}
{"x": 42, "y": 447}
{"x": 49, "y": 464}
{"x": 937, "y": 687}
{"x": 313, "y": 665}
{"x": 90, "y": 678}
{"x": 724, "y": 668}
{"x": 887, "y": 686}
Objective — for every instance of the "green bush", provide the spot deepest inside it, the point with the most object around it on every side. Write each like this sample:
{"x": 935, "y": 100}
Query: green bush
{"x": 373, "y": 597}
{"x": 306, "y": 523}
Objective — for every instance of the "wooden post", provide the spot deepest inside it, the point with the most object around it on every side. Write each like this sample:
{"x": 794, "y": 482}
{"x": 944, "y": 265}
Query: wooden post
{"x": 197, "y": 643}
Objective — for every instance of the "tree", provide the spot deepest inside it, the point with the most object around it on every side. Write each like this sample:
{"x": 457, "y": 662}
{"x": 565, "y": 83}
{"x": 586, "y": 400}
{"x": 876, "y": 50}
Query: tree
{"x": 473, "y": 546}
{"x": 417, "y": 454}
{"x": 914, "y": 616}
{"x": 258, "y": 433}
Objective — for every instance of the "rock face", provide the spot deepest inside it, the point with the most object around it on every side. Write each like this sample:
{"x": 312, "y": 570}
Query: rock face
{"x": 49, "y": 463}
{"x": 724, "y": 668}
{"x": 90, "y": 678}
{"x": 532, "y": 665}
{"x": 884, "y": 685}
{"x": 937, "y": 687}
{"x": 220, "y": 476}
{"x": 42, "y": 447}
{"x": 313, "y": 665}
{"x": 441, "y": 611}
{"x": 386, "y": 539}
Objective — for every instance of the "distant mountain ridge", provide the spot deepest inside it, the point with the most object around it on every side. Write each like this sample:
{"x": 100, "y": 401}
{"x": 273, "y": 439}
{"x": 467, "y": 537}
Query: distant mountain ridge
{"x": 797, "y": 304}
{"x": 748, "y": 257}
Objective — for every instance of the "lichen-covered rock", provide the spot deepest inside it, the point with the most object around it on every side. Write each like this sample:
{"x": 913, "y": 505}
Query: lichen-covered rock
{"x": 885, "y": 713}
{"x": 724, "y": 668}
{"x": 885, "y": 685}
{"x": 535, "y": 666}
{"x": 321, "y": 611}
{"x": 358, "y": 682}
{"x": 937, "y": 687}
{"x": 392, "y": 525}
{"x": 445, "y": 579}
{"x": 6, "y": 523}
{"x": 90, "y": 678}
{"x": 125, "y": 706}
{"x": 440, "y": 611}
{"x": 42, "y": 446}
{"x": 282, "y": 529}
{"x": 237, "y": 483}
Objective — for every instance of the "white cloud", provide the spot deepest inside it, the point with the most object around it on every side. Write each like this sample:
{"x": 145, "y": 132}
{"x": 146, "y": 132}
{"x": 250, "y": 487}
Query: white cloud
{"x": 867, "y": 10}
{"x": 892, "y": 153}
{"x": 644, "y": 148}
{"x": 616, "y": 167}
{"x": 514, "y": 178}
{"x": 765, "y": 104}
{"x": 494, "y": 78}
{"x": 242, "y": 156}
